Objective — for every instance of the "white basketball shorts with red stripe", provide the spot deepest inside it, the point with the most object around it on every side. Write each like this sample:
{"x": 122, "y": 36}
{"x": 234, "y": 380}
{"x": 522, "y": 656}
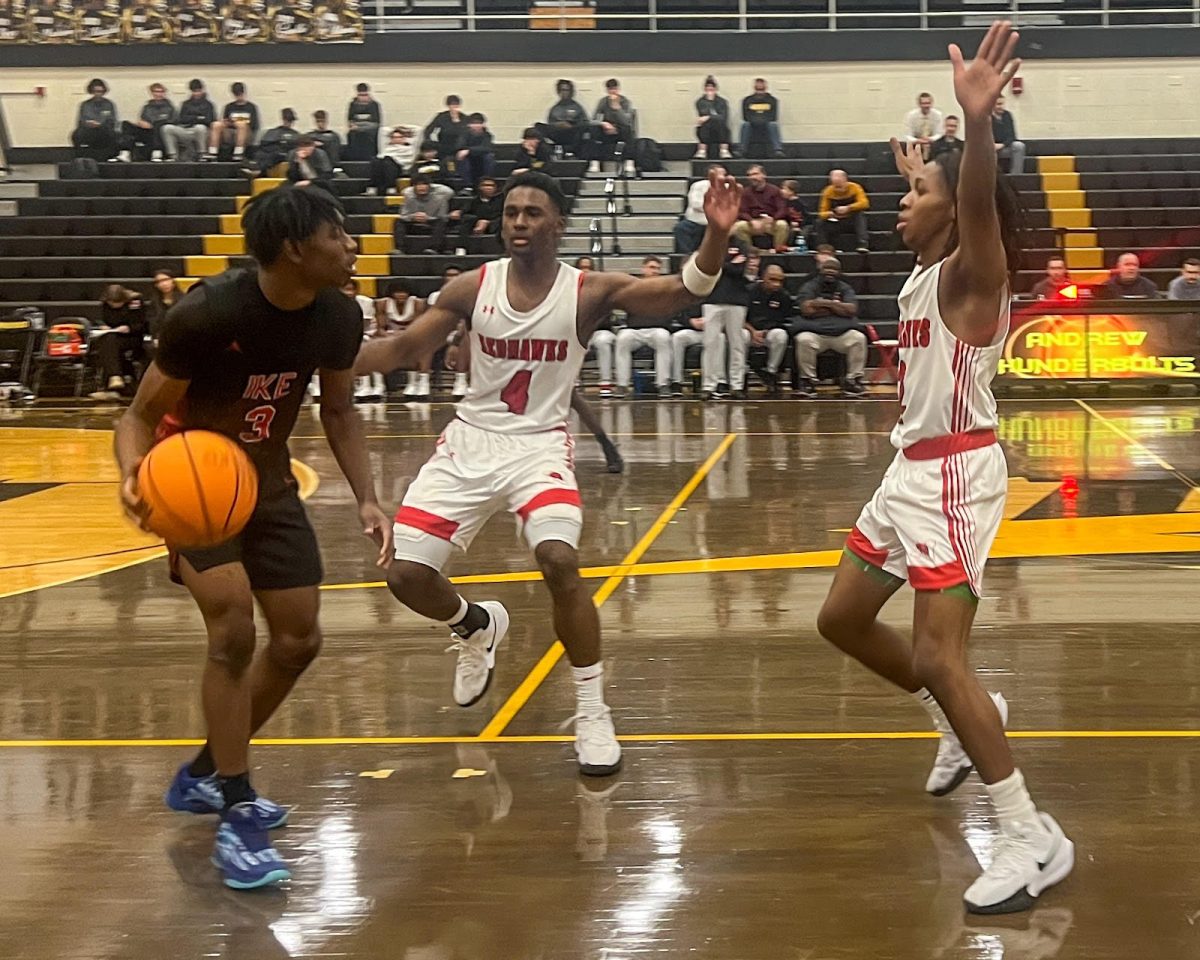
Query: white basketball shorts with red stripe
{"x": 932, "y": 521}
{"x": 476, "y": 473}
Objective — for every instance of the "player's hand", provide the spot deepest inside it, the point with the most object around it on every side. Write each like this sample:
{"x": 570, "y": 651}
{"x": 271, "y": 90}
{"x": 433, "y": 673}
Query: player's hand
{"x": 722, "y": 201}
{"x": 451, "y": 358}
{"x": 976, "y": 86}
{"x": 909, "y": 162}
{"x": 378, "y": 527}
{"x": 131, "y": 499}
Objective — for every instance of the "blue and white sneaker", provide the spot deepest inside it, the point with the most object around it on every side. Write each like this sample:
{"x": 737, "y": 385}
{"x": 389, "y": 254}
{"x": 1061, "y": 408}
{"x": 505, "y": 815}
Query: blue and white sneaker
{"x": 244, "y": 853}
{"x": 203, "y": 795}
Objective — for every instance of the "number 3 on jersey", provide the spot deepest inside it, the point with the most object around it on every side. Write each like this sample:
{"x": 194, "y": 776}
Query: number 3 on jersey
{"x": 259, "y": 420}
{"x": 516, "y": 392}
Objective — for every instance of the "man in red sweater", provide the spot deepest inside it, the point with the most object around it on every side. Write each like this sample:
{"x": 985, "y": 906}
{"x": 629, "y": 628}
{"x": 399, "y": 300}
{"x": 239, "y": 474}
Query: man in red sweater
{"x": 764, "y": 212}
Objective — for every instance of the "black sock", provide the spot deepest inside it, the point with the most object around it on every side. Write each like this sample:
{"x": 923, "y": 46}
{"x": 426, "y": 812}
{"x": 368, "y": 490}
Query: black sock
{"x": 236, "y": 789}
{"x": 203, "y": 765}
{"x": 476, "y": 618}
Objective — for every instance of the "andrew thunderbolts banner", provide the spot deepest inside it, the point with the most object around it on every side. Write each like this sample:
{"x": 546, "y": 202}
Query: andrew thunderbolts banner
{"x": 179, "y": 21}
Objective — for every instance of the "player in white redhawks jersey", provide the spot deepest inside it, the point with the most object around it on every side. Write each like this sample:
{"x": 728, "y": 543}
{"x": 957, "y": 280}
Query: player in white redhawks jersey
{"x": 937, "y": 511}
{"x": 530, "y": 318}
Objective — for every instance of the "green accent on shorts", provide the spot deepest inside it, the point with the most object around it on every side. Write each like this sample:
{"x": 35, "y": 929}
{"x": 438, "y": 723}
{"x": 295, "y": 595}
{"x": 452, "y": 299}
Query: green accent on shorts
{"x": 964, "y": 592}
{"x": 872, "y": 571}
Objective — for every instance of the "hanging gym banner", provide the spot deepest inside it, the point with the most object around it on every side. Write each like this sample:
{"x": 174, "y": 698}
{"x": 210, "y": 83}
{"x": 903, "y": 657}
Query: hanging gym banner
{"x": 179, "y": 21}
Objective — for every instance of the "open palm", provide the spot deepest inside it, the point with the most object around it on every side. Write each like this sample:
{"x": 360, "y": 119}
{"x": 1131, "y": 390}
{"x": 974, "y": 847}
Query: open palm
{"x": 977, "y": 85}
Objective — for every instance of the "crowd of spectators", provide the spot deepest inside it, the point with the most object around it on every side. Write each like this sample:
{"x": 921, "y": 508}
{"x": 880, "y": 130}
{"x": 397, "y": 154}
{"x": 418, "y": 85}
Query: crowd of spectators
{"x": 1125, "y": 282}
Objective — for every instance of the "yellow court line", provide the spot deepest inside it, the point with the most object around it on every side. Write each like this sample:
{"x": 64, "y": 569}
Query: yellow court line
{"x": 1129, "y": 438}
{"x": 542, "y": 668}
{"x": 813, "y": 735}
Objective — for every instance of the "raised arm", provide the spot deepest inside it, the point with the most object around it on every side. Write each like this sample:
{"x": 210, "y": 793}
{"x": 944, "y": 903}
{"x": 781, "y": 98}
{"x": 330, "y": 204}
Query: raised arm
{"x": 404, "y": 350}
{"x": 664, "y": 296}
{"x": 977, "y": 272}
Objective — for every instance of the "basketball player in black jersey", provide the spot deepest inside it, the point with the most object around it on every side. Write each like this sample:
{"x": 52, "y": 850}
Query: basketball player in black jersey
{"x": 235, "y": 356}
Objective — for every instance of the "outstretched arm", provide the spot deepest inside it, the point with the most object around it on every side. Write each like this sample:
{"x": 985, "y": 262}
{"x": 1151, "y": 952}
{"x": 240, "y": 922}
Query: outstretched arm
{"x": 664, "y": 296}
{"x": 976, "y": 274}
{"x": 404, "y": 350}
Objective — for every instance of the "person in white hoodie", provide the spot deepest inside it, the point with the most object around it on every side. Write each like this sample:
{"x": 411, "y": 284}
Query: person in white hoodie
{"x": 396, "y": 156}
{"x": 370, "y": 387}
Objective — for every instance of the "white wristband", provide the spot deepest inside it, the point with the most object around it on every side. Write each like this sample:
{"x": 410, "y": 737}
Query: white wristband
{"x": 697, "y": 282}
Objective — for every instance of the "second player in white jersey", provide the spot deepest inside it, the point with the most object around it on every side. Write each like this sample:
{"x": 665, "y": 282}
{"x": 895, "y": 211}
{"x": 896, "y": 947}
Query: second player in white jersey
{"x": 509, "y": 449}
{"x": 523, "y": 364}
{"x": 939, "y": 507}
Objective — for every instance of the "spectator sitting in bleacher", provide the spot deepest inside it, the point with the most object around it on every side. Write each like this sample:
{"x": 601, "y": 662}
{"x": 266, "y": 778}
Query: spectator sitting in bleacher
{"x": 397, "y": 156}
{"x": 238, "y": 125}
{"x": 763, "y": 213}
{"x": 426, "y": 212}
{"x": 447, "y": 129}
{"x": 768, "y": 319}
{"x": 689, "y": 228}
{"x": 1126, "y": 281}
{"x": 1056, "y": 278}
{"x": 724, "y": 314}
{"x": 482, "y": 216}
{"x": 949, "y": 139}
{"x": 166, "y": 294}
{"x": 923, "y": 124}
{"x": 188, "y": 136}
{"x": 118, "y": 340}
{"x": 1004, "y": 134}
{"x": 567, "y": 122}
{"x": 276, "y": 145}
{"x": 95, "y": 134}
{"x": 712, "y": 122}
{"x": 614, "y": 129}
{"x": 1186, "y": 286}
{"x": 142, "y": 139}
{"x": 327, "y": 139}
{"x": 603, "y": 340}
{"x": 829, "y": 321}
{"x": 843, "y": 207}
{"x": 689, "y": 333}
{"x": 429, "y": 163}
{"x": 363, "y": 118}
{"x": 638, "y": 332}
{"x": 797, "y": 215}
{"x": 309, "y": 166}
{"x": 476, "y": 157}
{"x": 370, "y": 387}
{"x": 760, "y": 115}
{"x": 532, "y": 153}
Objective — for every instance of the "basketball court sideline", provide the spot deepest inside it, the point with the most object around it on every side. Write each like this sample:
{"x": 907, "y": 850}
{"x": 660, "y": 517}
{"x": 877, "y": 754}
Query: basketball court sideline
{"x": 771, "y": 805}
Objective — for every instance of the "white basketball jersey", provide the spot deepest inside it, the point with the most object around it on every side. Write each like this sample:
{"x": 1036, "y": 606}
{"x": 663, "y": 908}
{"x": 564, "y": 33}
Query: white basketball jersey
{"x": 523, "y": 365}
{"x": 945, "y": 385}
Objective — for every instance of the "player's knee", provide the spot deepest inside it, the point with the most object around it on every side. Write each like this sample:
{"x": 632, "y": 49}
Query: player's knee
{"x": 559, "y": 564}
{"x": 936, "y": 662}
{"x": 231, "y": 642}
{"x": 407, "y": 579}
{"x": 836, "y": 623}
{"x": 294, "y": 653}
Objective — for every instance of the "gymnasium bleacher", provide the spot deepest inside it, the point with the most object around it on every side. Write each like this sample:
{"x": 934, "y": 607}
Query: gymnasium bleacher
{"x": 1089, "y": 199}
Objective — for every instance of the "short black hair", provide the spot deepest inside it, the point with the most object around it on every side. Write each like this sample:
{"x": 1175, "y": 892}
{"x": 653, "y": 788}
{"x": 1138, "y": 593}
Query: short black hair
{"x": 237, "y": 89}
{"x": 196, "y": 84}
{"x": 454, "y": 98}
{"x": 531, "y": 133}
{"x": 398, "y": 286}
{"x": 97, "y": 82}
{"x": 320, "y": 115}
{"x": 287, "y": 115}
{"x": 362, "y": 88}
{"x": 611, "y": 83}
{"x": 286, "y": 213}
{"x": 539, "y": 181}
{"x": 477, "y": 118}
{"x": 1191, "y": 262}
{"x": 951, "y": 116}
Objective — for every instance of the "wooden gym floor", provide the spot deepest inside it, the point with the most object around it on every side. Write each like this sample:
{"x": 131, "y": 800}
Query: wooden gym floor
{"x": 771, "y": 806}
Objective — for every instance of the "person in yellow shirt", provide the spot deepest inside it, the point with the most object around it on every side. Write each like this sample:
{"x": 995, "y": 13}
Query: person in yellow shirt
{"x": 843, "y": 207}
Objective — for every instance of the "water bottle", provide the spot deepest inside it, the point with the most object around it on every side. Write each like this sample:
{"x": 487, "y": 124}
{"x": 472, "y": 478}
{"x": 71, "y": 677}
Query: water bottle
{"x": 800, "y": 246}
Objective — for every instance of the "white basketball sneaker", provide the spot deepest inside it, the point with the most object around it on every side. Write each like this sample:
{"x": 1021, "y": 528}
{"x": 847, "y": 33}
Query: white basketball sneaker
{"x": 1025, "y": 862}
{"x": 477, "y": 655}
{"x": 596, "y": 744}
{"x": 952, "y": 765}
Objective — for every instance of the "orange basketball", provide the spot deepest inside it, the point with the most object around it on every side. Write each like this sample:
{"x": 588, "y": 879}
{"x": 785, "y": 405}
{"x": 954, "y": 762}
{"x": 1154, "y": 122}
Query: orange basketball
{"x": 200, "y": 488}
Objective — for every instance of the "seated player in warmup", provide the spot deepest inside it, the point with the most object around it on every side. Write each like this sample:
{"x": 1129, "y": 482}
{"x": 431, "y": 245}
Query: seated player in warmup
{"x": 938, "y": 509}
{"x": 530, "y": 318}
{"x": 235, "y": 356}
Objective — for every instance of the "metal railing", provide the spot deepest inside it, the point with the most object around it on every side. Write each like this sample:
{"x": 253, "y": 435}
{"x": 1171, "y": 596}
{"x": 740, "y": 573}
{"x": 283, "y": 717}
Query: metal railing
{"x": 390, "y": 16}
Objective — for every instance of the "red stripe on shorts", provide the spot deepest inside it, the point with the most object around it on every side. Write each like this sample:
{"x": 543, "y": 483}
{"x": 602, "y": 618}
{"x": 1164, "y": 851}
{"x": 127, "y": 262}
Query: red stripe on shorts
{"x": 937, "y": 578}
{"x": 429, "y": 523}
{"x": 861, "y": 547}
{"x": 547, "y": 497}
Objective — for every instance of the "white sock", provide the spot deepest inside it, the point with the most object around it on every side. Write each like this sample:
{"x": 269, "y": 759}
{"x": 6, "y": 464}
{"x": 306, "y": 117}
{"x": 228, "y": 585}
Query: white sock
{"x": 934, "y": 709}
{"x": 1013, "y": 803}
{"x": 589, "y": 688}
{"x": 239, "y": 152}
{"x": 461, "y": 612}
